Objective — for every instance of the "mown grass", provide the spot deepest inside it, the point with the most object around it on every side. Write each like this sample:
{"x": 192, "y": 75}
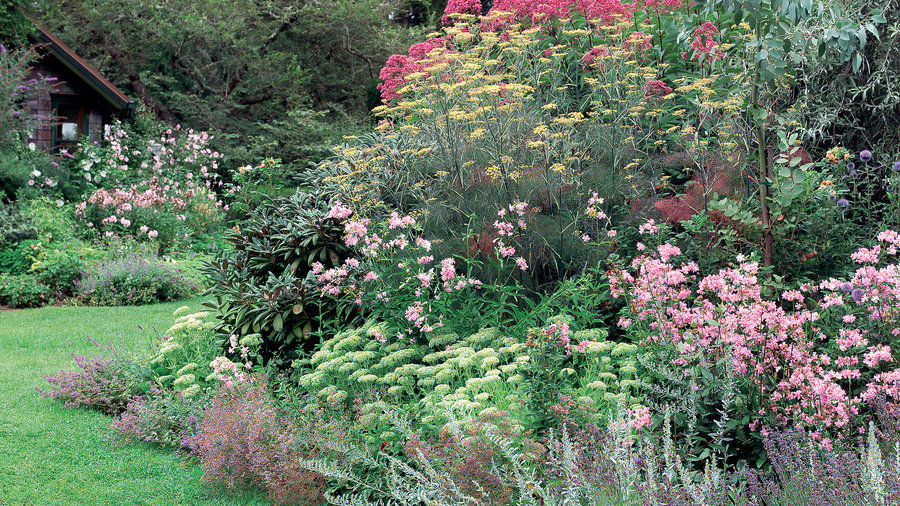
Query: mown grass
{"x": 50, "y": 455}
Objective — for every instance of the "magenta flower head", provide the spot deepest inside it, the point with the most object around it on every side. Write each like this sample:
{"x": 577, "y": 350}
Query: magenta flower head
{"x": 843, "y": 203}
{"x": 865, "y": 155}
{"x": 2, "y": 49}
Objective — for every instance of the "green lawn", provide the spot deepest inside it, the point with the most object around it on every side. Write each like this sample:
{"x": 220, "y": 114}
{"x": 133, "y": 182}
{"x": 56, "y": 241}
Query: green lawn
{"x": 55, "y": 456}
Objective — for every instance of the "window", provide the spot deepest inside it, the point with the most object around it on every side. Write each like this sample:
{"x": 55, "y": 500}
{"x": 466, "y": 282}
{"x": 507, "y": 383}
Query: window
{"x": 71, "y": 124}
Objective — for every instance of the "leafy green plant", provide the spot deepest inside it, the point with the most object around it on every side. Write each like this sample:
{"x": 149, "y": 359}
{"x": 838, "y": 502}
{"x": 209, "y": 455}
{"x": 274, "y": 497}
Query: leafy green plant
{"x": 23, "y": 291}
{"x": 15, "y": 226}
{"x": 258, "y": 283}
{"x": 60, "y": 266}
{"x": 18, "y": 259}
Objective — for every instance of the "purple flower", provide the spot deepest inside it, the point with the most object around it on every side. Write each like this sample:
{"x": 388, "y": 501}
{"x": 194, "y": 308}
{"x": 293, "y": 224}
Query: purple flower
{"x": 865, "y": 155}
{"x": 853, "y": 173}
{"x": 846, "y": 287}
{"x": 896, "y": 166}
{"x": 851, "y": 165}
{"x": 858, "y": 295}
{"x": 843, "y": 203}
{"x": 2, "y": 49}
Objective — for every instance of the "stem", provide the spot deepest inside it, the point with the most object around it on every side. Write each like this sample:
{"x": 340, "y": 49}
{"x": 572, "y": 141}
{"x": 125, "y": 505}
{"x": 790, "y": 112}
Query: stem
{"x": 764, "y": 176}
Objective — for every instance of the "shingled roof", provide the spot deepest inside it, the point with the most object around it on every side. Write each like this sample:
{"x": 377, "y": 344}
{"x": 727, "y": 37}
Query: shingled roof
{"x": 82, "y": 69}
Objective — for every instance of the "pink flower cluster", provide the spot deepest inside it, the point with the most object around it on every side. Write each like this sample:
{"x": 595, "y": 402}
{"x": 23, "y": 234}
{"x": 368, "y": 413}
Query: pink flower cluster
{"x": 544, "y": 11}
{"x": 508, "y": 229}
{"x": 814, "y": 367}
{"x": 561, "y": 331}
{"x": 369, "y": 280}
{"x": 398, "y": 66}
{"x": 460, "y": 7}
{"x": 594, "y": 58}
{"x": 159, "y": 177}
{"x": 638, "y": 418}
{"x": 656, "y": 88}
{"x": 704, "y": 45}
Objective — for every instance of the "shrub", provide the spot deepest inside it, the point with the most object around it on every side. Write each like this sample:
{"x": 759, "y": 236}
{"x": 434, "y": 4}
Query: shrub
{"x": 731, "y": 357}
{"x": 258, "y": 282}
{"x": 53, "y": 220}
{"x": 61, "y": 266}
{"x": 106, "y": 382}
{"x": 160, "y": 417}
{"x": 18, "y": 259}
{"x": 163, "y": 191}
{"x": 244, "y": 442}
{"x": 132, "y": 279}
{"x": 15, "y": 226}
{"x": 23, "y": 291}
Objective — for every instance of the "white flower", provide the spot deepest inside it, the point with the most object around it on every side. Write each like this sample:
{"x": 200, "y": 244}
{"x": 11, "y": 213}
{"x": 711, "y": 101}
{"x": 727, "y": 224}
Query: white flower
{"x": 35, "y": 173}
{"x": 59, "y": 203}
{"x": 31, "y": 146}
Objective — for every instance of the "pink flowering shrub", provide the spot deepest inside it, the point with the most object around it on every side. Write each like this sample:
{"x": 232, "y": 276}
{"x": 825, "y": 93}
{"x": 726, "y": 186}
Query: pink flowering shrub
{"x": 244, "y": 441}
{"x": 811, "y": 359}
{"x": 396, "y": 277}
{"x": 104, "y": 382}
{"x": 160, "y": 189}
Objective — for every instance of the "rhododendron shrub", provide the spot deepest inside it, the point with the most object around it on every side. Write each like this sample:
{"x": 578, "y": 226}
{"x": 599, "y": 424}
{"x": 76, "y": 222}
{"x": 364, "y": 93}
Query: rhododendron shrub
{"x": 258, "y": 281}
{"x": 160, "y": 189}
{"x": 811, "y": 359}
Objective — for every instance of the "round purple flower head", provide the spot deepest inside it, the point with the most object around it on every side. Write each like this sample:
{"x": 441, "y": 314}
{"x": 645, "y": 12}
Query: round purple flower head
{"x": 853, "y": 173}
{"x": 865, "y": 155}
{"x": 846, "y": 287}
{"x": 843, "y": 203}
{"x": 896, "y": 166}
{"x": 851, "y": 165}
{"x": 858, "y": 295}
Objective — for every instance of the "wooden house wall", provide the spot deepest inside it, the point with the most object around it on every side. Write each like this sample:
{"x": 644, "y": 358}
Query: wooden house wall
{"x": 97, "y": 111}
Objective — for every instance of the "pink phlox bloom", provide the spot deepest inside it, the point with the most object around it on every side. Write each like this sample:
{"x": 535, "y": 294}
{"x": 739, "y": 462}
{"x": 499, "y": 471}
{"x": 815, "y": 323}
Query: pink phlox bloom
{"x": 339, "y": 211}
{"x": 877, "y": 354}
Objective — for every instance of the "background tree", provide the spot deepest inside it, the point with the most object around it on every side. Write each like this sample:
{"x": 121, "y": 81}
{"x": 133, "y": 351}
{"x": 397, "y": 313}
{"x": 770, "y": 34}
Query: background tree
{"x": 243, "y": 70}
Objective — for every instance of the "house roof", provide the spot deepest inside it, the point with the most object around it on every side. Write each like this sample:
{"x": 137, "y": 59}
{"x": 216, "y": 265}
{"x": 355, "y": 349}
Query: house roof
{"x": 82, "y": 69}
